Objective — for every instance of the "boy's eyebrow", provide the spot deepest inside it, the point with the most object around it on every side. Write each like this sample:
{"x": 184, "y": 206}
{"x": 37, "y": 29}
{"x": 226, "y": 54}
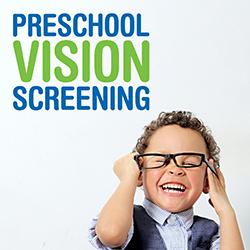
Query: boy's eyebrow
{"x": 160, "y": 151}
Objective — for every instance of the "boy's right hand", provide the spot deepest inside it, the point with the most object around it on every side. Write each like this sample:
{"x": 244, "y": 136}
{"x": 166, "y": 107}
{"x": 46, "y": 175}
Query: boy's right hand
{"x": 126, "y": 168}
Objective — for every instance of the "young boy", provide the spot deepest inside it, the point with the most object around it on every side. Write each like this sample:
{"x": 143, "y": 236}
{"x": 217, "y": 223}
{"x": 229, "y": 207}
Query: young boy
{"x": 176, "y": 159}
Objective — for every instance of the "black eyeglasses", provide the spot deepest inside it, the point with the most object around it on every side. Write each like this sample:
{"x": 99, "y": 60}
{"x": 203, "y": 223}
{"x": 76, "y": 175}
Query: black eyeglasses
{"x": 181, "y": 160}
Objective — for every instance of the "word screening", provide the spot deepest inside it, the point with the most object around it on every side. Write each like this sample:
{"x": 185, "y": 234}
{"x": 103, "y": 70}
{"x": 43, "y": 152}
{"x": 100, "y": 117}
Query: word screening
{"x": 81, "y": 98}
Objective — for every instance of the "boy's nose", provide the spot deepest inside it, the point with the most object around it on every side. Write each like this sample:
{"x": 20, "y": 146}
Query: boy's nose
{"x": 174, "y": 170}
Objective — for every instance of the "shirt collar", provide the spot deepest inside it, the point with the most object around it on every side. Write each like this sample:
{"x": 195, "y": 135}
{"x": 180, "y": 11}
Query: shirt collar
{"x": 160, "y": 215}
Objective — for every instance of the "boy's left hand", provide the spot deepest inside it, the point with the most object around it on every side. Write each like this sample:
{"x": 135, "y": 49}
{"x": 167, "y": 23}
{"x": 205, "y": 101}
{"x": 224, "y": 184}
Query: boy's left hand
{"x": 217, "y": 191}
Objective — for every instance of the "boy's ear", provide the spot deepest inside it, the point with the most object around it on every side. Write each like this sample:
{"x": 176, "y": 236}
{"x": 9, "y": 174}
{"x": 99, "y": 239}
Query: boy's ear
{"x": 139, "y": 182}
{"x": 206, "y": 185}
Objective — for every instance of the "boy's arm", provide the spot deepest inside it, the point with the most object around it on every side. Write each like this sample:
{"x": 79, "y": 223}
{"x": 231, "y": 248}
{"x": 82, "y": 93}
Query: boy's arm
{"x": 230, "y": 237}
{"x": 116, "y": 216}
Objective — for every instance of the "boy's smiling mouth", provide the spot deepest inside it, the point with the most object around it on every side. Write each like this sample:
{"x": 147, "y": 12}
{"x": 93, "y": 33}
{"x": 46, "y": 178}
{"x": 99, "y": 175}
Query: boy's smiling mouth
{"x": 173, "y": 187}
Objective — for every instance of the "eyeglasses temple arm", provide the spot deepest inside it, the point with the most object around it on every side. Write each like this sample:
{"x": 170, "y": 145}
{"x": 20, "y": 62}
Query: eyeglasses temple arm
{"x": 136, "y": 158}
{"x": 211, "y": 168}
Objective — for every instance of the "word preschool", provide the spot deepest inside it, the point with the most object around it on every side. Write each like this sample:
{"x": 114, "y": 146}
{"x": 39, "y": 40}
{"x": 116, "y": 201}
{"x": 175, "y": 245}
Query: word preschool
{"x": 87, "y": 73}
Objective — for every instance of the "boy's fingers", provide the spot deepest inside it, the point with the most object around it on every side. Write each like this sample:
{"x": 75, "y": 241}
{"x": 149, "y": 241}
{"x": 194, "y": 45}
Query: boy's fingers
{"x": 221, "y": 177}
{"x": 210, "y": 177}
{"x": 218, "y": 172}
{"x": 214, "y": 182}
{"x": 211, "y": 161}
{"x": 209, "y": 171}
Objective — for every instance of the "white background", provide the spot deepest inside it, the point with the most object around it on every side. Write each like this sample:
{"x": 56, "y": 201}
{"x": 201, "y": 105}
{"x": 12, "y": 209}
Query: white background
{"x": 56, "y": 166}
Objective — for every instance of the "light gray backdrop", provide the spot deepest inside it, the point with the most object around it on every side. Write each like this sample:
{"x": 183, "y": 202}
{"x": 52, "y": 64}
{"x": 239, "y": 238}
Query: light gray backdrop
{"x": 51, "y": 181}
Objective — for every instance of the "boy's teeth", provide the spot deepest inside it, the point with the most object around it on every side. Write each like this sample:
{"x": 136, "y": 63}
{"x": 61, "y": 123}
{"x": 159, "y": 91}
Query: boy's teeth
{"x": 174, "y": 187}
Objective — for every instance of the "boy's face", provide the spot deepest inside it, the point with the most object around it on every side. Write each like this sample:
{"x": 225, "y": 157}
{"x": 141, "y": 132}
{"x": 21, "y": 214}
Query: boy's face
{"x": 173, "y": 139}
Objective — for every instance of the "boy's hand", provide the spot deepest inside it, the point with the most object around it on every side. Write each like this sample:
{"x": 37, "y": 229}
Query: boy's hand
{"x": 127, "y": 169}
{"x": 230, "y": 237}
{"x": 217, "y": 192}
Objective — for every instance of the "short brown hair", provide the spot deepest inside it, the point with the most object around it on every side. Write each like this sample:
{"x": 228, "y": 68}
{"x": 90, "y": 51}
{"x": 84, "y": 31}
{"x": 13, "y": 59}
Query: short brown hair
{"x": 184, "y": 119}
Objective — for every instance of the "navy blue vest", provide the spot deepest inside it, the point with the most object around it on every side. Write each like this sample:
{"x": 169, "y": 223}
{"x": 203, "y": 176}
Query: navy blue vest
{"x": 147, "y": 237}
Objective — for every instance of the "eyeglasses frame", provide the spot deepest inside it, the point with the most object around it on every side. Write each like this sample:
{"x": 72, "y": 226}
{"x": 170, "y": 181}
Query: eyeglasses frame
{"x": 172, "y": 157}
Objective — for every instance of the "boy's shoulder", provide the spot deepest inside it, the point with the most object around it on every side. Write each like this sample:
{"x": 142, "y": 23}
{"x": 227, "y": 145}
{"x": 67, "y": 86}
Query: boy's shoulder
{"x": 201, "y": 220}
{"x": 205, "y": 225}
